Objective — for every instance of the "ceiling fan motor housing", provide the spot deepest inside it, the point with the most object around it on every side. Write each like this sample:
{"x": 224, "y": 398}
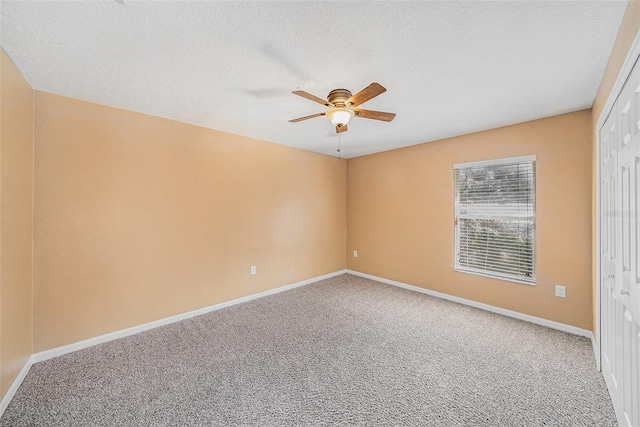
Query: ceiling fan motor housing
{"x": 338, "y": 97}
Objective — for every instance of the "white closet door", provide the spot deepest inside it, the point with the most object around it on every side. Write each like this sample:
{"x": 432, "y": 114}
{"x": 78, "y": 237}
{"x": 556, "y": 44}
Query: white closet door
{"x": 620, "y": 228}
{"x": 627, "y": 281}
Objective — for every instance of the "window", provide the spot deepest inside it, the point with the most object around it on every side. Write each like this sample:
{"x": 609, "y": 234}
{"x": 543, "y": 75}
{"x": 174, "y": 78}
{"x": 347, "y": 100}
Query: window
{"x": 495, "y": 218}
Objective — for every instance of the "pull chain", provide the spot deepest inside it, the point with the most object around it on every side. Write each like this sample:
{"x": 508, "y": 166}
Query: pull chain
{"x": 339, "y": 146}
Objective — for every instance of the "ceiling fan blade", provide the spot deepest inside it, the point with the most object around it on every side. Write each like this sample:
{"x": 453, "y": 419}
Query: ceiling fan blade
{"x": 371, "y": 91}
{"x": 299, "y": 119}
{"x": 375, "y": 115}
{"x": 340, "y": 129}
{"x": 312, "y": 98}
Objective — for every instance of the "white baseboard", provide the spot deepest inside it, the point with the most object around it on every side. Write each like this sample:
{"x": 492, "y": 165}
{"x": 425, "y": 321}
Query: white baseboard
{"x": 55, "y": 352}
{"x": 15, "y": 385}
{"x": 537, "y": 320}
{"x": 596, "y": 351}
{"x": 59, "y": 351}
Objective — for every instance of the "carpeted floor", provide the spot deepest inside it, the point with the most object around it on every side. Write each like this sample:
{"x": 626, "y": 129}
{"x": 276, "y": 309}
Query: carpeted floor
{"x": 343, "y": 351}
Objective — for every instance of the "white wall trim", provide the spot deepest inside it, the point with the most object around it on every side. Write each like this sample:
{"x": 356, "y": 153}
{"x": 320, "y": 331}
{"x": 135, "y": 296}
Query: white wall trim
{"x": 516, "y": 315}
{"x": 49, "y": 354}
{"x": 59, "y": 351}
{"x": 16, "y": 384}
{"x": 596, "y": 350}
{"x": 596, "y": 324}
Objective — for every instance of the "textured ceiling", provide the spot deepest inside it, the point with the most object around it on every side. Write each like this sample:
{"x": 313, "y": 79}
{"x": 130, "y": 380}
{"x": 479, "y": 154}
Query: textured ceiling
{"x": 450, "y": 68}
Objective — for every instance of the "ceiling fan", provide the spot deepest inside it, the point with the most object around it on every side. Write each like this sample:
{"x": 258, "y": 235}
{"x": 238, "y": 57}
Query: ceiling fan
{"x": 342, "y": 106}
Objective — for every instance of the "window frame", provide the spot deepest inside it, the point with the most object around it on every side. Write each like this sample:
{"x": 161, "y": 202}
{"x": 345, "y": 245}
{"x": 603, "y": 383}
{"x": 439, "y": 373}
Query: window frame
{"x": 456, "y": 240}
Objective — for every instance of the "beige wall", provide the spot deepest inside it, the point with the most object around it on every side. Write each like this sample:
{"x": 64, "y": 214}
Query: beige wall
{"x": 626, "y": 34}
{"x": 400, "y": 216}
{"x": 138, "y": 218}
{"x": 16, "y": 207}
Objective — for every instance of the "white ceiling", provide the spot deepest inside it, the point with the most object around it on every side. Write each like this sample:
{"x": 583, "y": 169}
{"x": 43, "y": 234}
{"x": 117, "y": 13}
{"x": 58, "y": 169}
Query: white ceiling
{"x": 450, "y": 68}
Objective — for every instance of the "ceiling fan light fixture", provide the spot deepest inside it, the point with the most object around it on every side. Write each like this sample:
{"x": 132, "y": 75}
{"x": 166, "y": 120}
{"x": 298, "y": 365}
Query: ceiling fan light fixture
{"x": 340, "y": 116}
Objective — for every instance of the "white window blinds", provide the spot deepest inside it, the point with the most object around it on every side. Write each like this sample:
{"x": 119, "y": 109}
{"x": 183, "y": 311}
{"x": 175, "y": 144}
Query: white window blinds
{"x": 495, "y": 218}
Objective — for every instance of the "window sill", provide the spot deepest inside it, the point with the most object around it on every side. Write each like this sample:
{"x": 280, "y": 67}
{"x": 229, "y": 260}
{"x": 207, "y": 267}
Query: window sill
{"x": 491, "y": 276}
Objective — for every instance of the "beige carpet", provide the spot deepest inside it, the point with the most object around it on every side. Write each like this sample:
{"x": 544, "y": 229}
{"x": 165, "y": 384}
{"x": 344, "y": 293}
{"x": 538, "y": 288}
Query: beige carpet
{"x": 343, "y": 351}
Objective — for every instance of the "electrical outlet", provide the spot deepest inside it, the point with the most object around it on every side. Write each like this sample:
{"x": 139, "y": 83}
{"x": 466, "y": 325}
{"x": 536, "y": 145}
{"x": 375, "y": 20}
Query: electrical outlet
{"x": 355, "y": 254}
{"x": 560, "y": 291}
{"x": 253, "y": 270}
